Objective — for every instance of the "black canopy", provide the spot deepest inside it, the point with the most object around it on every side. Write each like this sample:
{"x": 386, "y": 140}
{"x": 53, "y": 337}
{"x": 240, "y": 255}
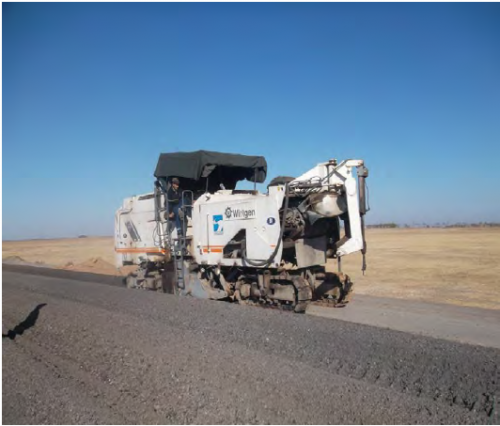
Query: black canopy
{"x": 222, "y": 168}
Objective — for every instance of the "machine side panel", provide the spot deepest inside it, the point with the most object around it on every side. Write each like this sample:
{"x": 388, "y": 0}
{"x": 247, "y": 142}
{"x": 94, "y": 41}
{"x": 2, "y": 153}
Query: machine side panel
{"x": 136, "y": 232}
{"x": 217, "y": 220}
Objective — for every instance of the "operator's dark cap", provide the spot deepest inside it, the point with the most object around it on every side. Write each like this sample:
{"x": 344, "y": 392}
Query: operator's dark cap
{"x": 175, "y": 180}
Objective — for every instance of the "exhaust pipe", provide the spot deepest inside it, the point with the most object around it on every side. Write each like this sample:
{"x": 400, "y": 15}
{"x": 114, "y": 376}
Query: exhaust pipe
{"x": 362, "y": 175}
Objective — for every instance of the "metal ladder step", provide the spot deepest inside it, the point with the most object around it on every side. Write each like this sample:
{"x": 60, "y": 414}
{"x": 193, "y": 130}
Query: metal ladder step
{"x": 179, "y": 271}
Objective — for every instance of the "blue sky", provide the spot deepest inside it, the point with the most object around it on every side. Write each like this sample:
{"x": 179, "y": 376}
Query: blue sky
{"x": 93, "y": 92}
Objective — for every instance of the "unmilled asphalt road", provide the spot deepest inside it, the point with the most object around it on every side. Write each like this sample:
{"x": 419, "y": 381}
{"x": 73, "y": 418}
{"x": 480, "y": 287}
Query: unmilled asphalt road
{"x": 104, "y": 354}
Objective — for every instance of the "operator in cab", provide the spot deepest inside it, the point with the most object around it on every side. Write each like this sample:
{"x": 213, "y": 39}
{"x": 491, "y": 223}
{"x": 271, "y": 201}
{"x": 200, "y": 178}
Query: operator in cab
{"x": 174, "y": 196}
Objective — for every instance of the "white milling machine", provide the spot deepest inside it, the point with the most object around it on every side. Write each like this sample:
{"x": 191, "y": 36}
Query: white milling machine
{"x": 243, "y": 245}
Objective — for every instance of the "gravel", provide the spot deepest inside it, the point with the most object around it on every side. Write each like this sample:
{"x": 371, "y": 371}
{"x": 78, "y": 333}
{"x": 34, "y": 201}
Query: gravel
{"x": 106, "y": 354}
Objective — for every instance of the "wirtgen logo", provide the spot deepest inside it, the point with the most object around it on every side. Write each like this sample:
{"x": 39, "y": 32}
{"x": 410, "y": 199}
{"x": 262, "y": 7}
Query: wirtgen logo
{"x": 232, "y": 213}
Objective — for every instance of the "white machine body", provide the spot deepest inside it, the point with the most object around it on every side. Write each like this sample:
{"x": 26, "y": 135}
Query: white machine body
{"x": 142, "y": 232}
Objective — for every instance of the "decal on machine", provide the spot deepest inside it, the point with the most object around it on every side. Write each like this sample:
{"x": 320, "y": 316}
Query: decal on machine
{"x": 218, "y": 224}
{"x": 239, "y": 213}
{"x": 271, "y": 220}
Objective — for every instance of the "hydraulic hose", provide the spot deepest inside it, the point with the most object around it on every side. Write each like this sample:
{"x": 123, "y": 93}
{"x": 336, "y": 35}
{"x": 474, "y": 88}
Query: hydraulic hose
{"x": 275, "y": 252}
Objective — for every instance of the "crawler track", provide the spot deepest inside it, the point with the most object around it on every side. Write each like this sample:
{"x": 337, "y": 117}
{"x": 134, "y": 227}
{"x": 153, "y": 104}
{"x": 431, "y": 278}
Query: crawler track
{"x": 106, "y": 354}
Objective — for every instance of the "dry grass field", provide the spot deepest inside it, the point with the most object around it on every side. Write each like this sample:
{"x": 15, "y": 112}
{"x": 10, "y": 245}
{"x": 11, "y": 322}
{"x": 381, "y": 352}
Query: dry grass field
{"x": 457, "y": 266}
{"x": 94, "y": 254}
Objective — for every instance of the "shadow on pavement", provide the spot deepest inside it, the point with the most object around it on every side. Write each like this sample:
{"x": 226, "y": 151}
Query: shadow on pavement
{"x": 29, "y": 322}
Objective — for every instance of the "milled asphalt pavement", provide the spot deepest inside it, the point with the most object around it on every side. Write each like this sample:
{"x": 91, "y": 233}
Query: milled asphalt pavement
{"x": 78, "y": 351}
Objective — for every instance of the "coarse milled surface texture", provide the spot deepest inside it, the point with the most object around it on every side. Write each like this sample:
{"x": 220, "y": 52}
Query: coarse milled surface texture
{"x": 104, "y": 354}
